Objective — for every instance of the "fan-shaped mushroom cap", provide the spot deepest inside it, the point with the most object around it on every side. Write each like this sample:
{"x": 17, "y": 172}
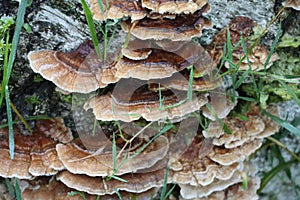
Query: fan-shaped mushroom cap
{"x": 182, "y": 28}
{"x": 221, "y": 104}
{"x": 55, "y": 129}
{"x": 80, "y": 161}
{"x": 56, "y": 190}
{"x": 137, "y": 49}
{"x": 52, "y": 191}
{"x": 180, "y": 81}
{"x": 136, "y": 183}
{"x": 257, "y": 59}
{"x": 159, "y": 63}
{"x": 295, "y": 4}
{"x": 126, "y": 106}
{"x": 118, "y": 9}
{"x": 239, "y": 26}
{"x": 195, "y": 168}
{"x": 190, "y": 192}
{"x": 34, "y": 154}
{"x": 171, "y": 6}
{"x": 77, "y": 71}
{"x": 239, "y": 154}
{"x": 256, "y": 127}
{"x": 236, "y": 192}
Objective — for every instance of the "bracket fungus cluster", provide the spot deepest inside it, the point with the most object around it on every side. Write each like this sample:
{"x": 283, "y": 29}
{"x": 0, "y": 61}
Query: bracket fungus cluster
{"x": 162, "y": 75}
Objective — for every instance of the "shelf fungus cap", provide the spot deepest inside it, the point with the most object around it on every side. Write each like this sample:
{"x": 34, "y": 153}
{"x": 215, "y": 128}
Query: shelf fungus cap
{"x": 182, "y": 28}
{"x": 117, "y": 9}
{"x": 221, "y": 104}
{"x": 129, "y": 106}
{"x": 159, "y": 63}
{"x": 257, "y": 58}
{"x": 136, "y": 183}
{"x": 196, "y": 168}
{"x": 189, "y": 192}
{"x": 295, "y": 4}
{"x": 256, "y": 126}
{"x": 225, "y": 156}
{"x": 180, "y": 81}
{"x": 77, "y": 71}
{"x": 34, "y": 155}
{"x": 78, "y": 160}
{"x": 137, "y": 49}
{"x": 172, "y": 6}
{"x": 55, "y": 129}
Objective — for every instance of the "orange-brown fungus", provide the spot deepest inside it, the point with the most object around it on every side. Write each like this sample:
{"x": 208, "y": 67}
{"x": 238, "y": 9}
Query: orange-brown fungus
{"x": 77, "y": 71}
{"x": 183, "y": 27}
{"x": 35, "y": 154}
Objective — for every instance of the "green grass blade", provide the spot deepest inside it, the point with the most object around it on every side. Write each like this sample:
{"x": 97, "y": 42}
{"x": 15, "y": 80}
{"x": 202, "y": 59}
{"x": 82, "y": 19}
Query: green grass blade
{"x": 18, "y": 191}
{"x": 291, "y": 92}
{"x": 164, "y": 189}
{"x": 114, "y": 152}
{"x": 101, "y": 6}
{"x": 10, "y": 187}
{"x": 119, "y": 195}
{"x": 119, "y": 179}
{"x": 10, "y": 124}
{"x": 73, "y": 193}
{"x": 283, "y": 123}
{"x": 91, "y": 25}
{"x": 278, "y": 34}
{"x": 190, "y": 86}
{"x": 273, "y": 172}
{"x": 15, "y": 41}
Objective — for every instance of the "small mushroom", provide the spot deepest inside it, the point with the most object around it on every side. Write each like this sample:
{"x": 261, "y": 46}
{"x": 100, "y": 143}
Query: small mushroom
{"x": 171, "y": 6}
{"x": 79, "y": 160}
{"x": 77, "y": 71}
{"x": 136, "y": 183}
{"x": 117, "y": 9}
{"x": 182, "y": 28}
{"x": 295, "y": 4}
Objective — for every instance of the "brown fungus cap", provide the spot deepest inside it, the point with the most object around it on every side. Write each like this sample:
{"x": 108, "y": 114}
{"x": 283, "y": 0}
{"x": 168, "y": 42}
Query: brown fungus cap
{"x": 56, "y": 190}
{"x": 225, "y": 156}
{"x": 295, "y": 4}
{"x": 136, "y": 183}
{"x": 118, "y": 9}
{"x": 172, "y": 6}
{"x": 126, "y": 106}
{"x": 78, "y": 160}
{"x": 180, "y": 81}
{"x": 196, "y": 168}
{"x": 160, "y": 63}
{"x": 34, "y": 154}
{"x": 182, "y": 28}
{"x": 257, "y": 59}
{"x": 236, "y": 191}
{"x": 190, "y": 192}
{"x": 55, "y": 129}
{"x": 77, "y": 71}
{"x": 257, "y": 126}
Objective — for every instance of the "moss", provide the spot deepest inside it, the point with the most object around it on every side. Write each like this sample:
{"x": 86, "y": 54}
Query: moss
{"x": 288, "y": 40}
{"x": 6, "y": 22}
{"x": 272, "y": 90}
